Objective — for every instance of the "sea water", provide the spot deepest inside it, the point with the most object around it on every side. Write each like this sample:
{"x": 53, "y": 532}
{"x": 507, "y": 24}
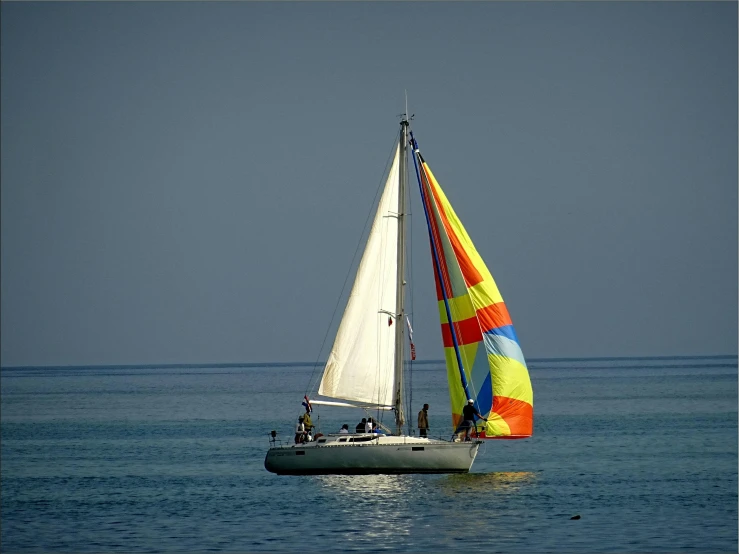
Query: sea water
{"x": 171, "y": 459}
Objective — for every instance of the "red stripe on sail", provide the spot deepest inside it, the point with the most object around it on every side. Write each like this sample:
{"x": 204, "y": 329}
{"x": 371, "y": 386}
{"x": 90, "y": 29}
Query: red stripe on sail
{"x": 493, "y": 316}
{"x": 467, "y": 332}
{"x": 439, "y": 295}
{"x": 519, "y": 415}
{"x": 469, "y": 271}
{"x": 470, "y": 330}
{"x": 437, "y": 244}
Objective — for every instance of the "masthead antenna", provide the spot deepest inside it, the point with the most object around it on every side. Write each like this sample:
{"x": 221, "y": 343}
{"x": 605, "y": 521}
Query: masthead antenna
{"x": 406, "y": 117}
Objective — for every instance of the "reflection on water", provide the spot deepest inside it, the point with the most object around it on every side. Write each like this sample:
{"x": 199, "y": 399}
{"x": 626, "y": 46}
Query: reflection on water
{"x": 380, "y": 509}
{"x": 385, "y": 486}
{"x": 378, "y": 504}
{"x": 507, "y": 482}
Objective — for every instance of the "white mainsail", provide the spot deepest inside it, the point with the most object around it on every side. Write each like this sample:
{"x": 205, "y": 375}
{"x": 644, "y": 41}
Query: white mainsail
{"x": 360, "y": 366}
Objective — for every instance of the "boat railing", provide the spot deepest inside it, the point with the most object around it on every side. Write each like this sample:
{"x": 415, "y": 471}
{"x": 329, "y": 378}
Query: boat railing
{"x": 274, "y": 441}
{"x": 351, "y": 434}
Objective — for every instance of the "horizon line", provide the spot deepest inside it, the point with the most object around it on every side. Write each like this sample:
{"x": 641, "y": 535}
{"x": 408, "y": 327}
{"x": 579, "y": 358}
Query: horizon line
{"x": 309, "y": 364}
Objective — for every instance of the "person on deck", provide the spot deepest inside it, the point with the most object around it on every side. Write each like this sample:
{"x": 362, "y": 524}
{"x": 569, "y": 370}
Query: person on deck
{"x": 423, "y": 421}
{"x": 308, "y": 422}
{"x": 468, "y": 418}
{"x": 361, "y": 425}
{"x": 300, "y": 431}
{"x": 369, "y": 425}
{"x": 344, "y": 429}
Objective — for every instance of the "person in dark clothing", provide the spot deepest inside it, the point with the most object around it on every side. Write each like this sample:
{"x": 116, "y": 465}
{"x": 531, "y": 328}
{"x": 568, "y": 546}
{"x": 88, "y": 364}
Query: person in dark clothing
{"x": 468, "y": 418}
{"x": 361, "y": 425}
{"x": 423, "y": 420}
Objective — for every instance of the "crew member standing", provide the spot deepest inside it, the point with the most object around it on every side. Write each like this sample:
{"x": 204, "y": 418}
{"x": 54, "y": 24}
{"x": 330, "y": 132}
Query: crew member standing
{"x": 300, "y": 431}
{"x": 423, "y": 420}
{"x": 468, "y": 416}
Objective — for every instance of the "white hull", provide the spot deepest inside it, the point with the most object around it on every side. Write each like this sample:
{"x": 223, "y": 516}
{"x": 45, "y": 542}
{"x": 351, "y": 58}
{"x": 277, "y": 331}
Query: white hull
{"x": 366, "y": 454}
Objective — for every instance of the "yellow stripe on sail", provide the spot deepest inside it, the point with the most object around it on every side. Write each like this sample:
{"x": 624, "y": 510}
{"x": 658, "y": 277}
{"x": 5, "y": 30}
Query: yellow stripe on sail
{"x": 457, "y": 396}
{"x": 466, "y": 306}
{"x": 510, "y": 379}
{"x": 496, "y": 426}
{"x": 460, "y": 307}
{"x": 485, "y": 294}
{"x": 467, "y": 352}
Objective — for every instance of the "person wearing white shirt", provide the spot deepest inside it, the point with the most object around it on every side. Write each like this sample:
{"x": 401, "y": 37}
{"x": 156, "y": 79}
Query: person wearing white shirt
{"x": 300, "y": 431}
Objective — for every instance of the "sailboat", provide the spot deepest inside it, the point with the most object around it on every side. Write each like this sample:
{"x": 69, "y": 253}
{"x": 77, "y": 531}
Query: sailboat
{"x": 365, "y": 368}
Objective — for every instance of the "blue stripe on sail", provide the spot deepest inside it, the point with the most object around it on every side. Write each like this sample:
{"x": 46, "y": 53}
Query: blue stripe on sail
{"x": 505, "y": 331}
{"x": 477, "y": 369}
{"x": 503, "y": 346}
{"x": 484, "y": 401}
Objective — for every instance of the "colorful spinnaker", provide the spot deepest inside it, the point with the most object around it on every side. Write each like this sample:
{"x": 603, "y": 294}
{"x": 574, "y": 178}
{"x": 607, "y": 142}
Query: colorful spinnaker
{"x": 483, "y": 357}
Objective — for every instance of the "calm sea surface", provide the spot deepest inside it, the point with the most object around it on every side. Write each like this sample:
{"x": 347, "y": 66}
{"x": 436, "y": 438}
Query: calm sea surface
{"x": 171, "y": 459}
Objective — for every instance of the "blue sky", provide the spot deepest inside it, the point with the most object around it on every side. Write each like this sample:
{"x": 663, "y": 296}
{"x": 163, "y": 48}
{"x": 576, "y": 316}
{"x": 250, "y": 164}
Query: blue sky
{"x": 187, "y": 182}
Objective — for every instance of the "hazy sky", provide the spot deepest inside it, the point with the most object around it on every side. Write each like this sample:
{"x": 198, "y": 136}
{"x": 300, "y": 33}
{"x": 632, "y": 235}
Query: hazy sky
{"x": 187, "y": 182}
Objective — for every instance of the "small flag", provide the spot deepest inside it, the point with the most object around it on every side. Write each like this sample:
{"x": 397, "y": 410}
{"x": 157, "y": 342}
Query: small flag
{"x": 389, "y": 321}
{"x": 413, "y": 351}
{"x": 308, "y": 407}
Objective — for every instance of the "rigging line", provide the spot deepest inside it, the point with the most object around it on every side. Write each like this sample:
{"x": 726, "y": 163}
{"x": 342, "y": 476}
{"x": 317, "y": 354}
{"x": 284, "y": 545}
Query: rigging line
{"x": 437, "y": 263}
{"x": 380, "y": 385}
{"x": 468, "y": 361}
{"x": 380, "y": 262}
{"x": 378, "y": 302}
{"x": 409, "y": 256}
{"x": 311, "y": 384}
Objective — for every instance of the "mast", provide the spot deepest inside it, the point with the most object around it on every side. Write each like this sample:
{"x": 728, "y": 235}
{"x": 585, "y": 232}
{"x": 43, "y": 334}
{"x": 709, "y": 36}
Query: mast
{"x": 400, "y": 294}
